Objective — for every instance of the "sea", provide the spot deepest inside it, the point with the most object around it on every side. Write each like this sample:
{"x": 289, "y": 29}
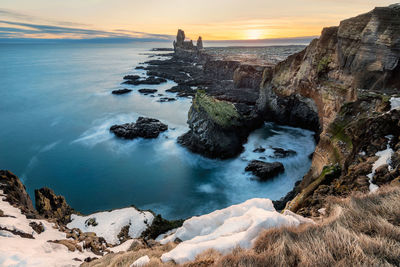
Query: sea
{"x": 56, "y": 109}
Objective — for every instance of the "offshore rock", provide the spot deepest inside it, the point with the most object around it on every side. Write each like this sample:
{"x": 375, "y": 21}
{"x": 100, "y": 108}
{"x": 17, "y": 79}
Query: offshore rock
{"x": 265, "y": 170}
{"x": 121, "y": 91}
{"x": 144, "y": 127}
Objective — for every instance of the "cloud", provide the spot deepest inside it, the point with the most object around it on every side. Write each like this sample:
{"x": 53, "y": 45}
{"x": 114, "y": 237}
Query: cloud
{"x": 14, "y": 25}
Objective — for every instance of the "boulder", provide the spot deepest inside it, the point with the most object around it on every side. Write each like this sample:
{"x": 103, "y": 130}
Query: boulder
{"x": 265, "y": 170}
{"x": 121, "y": 91}
{"x": 144, "y": 127}
{"x": 282, "y": 153}
{"x": 147, "y": 91}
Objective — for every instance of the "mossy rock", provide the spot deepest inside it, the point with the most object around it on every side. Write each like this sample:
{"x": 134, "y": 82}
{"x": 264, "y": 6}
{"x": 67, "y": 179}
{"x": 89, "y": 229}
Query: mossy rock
{"x": 160, "y": 226}
{"x": 222, "y": 113}
{"x": 328, "y": 174}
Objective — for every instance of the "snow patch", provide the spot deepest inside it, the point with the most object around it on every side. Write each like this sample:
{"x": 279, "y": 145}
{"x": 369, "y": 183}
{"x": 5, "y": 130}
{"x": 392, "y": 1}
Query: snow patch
{"x": 108, "y": 224}
{"x": 142, "y": 261}
{"x": 394, "y": 103}
{"x": 223, "y": 230}
{"x": 384, "y": 158}
{"x": 18, "y": 251}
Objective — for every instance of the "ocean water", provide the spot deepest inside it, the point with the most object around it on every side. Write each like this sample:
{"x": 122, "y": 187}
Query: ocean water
{"x": 56, "y": 108}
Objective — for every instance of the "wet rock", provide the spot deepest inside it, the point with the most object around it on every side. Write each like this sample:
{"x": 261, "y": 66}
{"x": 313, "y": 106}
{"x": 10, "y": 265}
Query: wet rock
{"x": 265, "y": 170}
{"x": 144, "y": 127}
{"x": 139, "y": 68}
{"x": 182, "y": 90}
{"x": 15, "y": 193}
{"x": 282, "y": 153}
{"x": 166, "y": 99}
{"x": 132, "y": 77}
{"x": 52, "y": 206}
{"x": 149, "y": 81}
{"x": 121, "y": 91}
{"x": 259, "y": 150}
{"x": 147, "y": 91}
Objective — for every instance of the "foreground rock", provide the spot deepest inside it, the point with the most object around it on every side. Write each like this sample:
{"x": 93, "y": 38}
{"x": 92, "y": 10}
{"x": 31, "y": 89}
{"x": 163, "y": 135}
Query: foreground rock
{"x": 144, "y": 127}
{"x": 282, "y": 153}
{"x": 121, "y": 91}
{"x": 52, "y": 206}
{"x": 265, "y": 170}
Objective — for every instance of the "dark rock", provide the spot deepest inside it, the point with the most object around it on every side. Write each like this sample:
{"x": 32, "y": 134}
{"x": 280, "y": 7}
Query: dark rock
{"x": 51, "y": 206}
{"x": 150, "y": 80}
{"x": 121, "y": 91}
{"x": 160, "y": 226}
{"x": 91, "y": 222}
{"x": 182, "y": 90}
{"x": 132, "y": 77}
{"x": 282, "y": 153}
{"x": 147, "y": 91}
{"x": 144, "y": 127}
{"x": 259, "y": 150}
{"x": 166, "y": 99}
{"x": 15, "y": 193}
{"x": 199, "y": 43}
{"x": 37, "y": 227}
{"x": 265, "y": 170}
{"x": 162, "y": 49}
{"x": 139, "y": 68}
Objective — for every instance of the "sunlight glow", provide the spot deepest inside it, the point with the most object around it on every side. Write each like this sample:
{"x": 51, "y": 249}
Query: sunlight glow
{"x": 254, "y": 34}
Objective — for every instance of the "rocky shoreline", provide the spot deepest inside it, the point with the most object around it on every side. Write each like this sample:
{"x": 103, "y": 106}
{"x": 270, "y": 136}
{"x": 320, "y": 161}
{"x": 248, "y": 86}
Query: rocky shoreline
{"x": 344, "y": 86}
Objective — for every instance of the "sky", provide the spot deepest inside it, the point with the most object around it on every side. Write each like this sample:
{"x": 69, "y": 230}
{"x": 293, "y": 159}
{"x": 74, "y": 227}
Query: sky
{"x": 160, "y": 19}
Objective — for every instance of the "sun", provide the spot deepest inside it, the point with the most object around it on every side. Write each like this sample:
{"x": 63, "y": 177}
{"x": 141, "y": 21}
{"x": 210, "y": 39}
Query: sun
{"x": 254, "y": 34}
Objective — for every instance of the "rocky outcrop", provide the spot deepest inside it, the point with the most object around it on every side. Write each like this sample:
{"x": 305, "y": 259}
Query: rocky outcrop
{"x": 143, "y": 127}
{"x": 180, "y": 45}
{"x": 51, "y": 206}
{"x": 265, "y": 170}
{"x": 15, "y": 193}
{"x": 217, "y": 128}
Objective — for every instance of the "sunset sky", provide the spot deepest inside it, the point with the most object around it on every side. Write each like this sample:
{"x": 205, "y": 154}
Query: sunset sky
{"x": 212, "y": 19}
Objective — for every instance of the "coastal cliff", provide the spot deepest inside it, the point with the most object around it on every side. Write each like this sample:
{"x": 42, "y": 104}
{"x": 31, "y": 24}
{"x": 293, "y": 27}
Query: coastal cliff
{"x": 344, "y": 81}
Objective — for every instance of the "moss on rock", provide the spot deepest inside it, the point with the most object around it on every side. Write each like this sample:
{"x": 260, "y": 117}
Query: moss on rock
{"x": 222, "y": 113}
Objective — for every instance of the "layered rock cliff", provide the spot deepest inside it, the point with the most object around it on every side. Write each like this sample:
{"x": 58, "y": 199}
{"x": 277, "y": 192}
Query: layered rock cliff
{"x": 340, "y": 86}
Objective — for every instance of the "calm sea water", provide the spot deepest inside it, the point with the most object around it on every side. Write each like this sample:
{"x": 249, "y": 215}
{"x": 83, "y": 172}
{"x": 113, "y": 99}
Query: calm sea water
{"x": 56, "y": 108}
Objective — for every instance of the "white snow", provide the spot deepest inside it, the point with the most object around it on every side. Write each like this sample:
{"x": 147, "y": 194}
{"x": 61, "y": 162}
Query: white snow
{"x": 110, "y": 223}
{"x": 142, "y": 261}
{"x": 384, "y": 157}
{"x": 223, "y": 230}
{"x": 18, "y": 251}
{"x": 394, "y": 103}
{"x": 123, "y": 247}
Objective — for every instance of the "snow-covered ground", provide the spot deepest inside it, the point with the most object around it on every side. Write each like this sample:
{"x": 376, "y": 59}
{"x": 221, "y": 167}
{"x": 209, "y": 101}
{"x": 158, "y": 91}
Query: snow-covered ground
{"x": 108, "y": 224}
{"x": 223, "y": 230}
{"x": 18, "y": 251}
{"x": 384, "y": 157}
{"x": 394, "y": 103}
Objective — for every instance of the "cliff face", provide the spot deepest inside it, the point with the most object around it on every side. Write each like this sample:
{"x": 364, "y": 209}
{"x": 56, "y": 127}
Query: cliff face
{"x": 361, "y": 53}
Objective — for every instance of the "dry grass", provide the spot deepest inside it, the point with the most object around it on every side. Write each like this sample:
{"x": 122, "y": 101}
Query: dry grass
{"x": 123, "y": 259}
{"x": 362, "y": 230}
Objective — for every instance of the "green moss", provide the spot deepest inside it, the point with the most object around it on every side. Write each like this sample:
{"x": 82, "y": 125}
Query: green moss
{"x": 328, "y": 174}
{"x": 221, "y": 112}
{"x": 160, "y": 226}
{"x": 323, "y": 65}
{"x": 337, "y": 130}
